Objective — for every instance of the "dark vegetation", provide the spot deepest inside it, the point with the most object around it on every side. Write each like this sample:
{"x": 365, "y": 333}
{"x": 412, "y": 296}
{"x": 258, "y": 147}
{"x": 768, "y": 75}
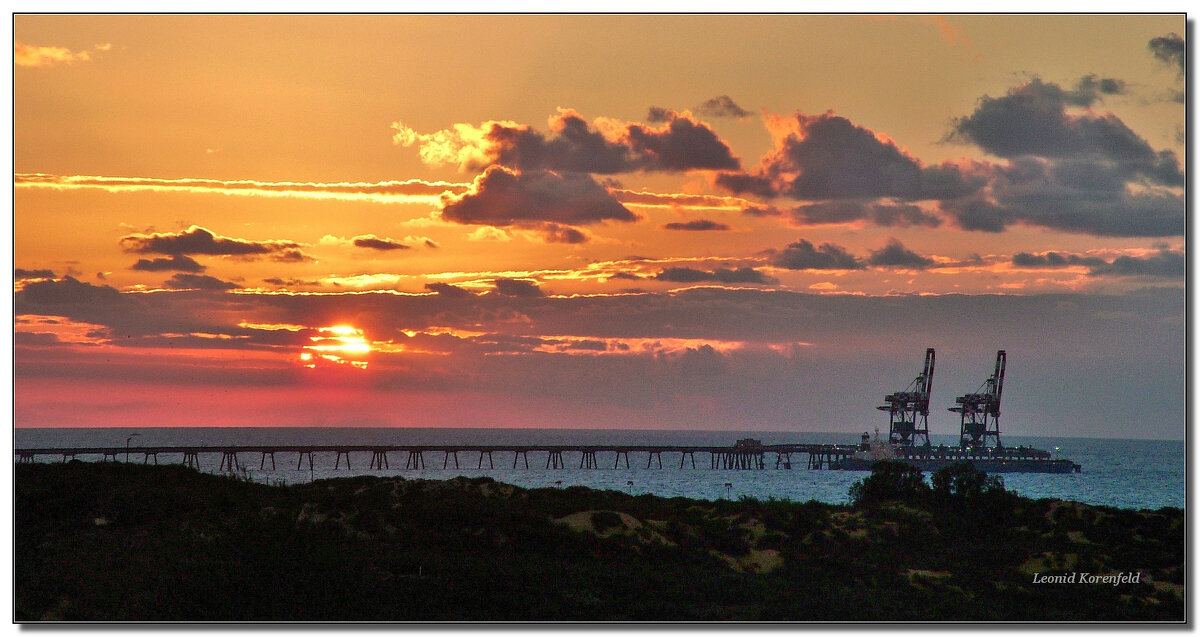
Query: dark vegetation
{"x": 136, "y": 543}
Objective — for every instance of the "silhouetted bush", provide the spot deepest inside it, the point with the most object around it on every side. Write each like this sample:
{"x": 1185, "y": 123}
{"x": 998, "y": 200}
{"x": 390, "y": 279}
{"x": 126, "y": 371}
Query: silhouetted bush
{"x": 890, "y": 481}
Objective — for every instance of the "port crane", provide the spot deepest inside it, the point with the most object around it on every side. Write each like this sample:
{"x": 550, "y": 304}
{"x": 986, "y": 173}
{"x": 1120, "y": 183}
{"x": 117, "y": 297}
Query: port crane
{"x": 908, "y": 410}
{"x": 981, "y": 410}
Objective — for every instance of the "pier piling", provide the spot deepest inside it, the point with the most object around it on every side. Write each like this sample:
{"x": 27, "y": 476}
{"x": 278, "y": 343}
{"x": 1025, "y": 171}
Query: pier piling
{"x": 229, "y": 461}
{"x": 740, "y": 456}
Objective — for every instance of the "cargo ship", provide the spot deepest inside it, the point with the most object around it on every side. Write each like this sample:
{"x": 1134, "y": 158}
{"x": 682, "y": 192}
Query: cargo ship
{"x": 979, "y": 433}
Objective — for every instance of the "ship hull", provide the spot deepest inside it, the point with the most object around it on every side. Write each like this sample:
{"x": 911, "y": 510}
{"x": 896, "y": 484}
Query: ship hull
{"x": 989, "y": 466}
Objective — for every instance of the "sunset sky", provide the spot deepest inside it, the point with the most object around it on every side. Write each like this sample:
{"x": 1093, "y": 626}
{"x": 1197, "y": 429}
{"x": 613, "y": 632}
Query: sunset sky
{"x": 644, "y": 222}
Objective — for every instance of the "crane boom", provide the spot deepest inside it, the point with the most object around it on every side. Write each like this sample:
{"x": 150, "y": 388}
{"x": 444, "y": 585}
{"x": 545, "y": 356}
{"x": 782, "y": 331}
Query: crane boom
{"x": 998, "y": 381}
{"x": 908, "y": 410}
{"x": 981, "y": 410}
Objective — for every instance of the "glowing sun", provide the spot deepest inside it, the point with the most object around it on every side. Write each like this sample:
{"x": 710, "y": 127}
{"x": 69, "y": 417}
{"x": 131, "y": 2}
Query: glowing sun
{"x": 336, "y": 345}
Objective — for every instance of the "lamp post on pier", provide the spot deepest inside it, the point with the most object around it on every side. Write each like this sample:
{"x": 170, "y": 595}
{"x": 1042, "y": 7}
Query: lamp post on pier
{"x": 131, "y": 437}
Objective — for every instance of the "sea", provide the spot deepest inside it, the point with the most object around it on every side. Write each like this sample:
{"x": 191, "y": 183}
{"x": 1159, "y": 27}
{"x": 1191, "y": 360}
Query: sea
{"x": 1129, "y": 474}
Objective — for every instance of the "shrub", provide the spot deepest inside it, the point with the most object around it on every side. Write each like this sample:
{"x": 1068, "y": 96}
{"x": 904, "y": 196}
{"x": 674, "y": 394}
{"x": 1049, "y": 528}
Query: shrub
{"x": 890, "y": 481}
{"x": 962, "y": 482}
{"x": 973, "y": 496}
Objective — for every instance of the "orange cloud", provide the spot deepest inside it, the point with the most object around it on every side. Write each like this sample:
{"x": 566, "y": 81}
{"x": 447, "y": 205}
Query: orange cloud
{"x": 409, "y": 191}
{"x": 29, "y": 55}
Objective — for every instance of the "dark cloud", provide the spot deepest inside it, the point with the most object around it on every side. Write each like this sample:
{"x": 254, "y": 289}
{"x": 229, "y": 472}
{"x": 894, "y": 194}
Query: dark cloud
{"x": 1068, "y": 171}
{"x": 1091, "y": 89}
{"x": 1032, "y": 120}
{"x": 834, "y": 158}
{"x": 197, "y": 240}
{"x": 979, "y": 214}
{"x": 557, "y": 233}
{"x": 197, "y": 282}
{"x": 802, "y": 255}
{"x": 1071, "y": 196}
{"x": 22, "y": 273}
{"x": 1166, "y": 264}
{"x": 762, "y": 211}
{"x": 1054, "y": 260}
{"x": 289, "y": 282}
{"x": 696, "y": 224}
{"x": 574, "y": 147}
{"x": 447, "y": 290}
{"x": 880, "y": 214}
{"x": 501, "y": 197}
{"x": 518, "y": 287}
{"x": 587, "y": 346}
{"x": 720, "y": 275}
{"x": 659, "y": 115}
{"x": 895, "y": 255}
{"x": 682, "y": 144}
{"x": 744, "y": 184}
{"x": 290, "y": 255}
{"x": 174, "y": 262}
{"x": 722, "y": 106}
{"x": 66, "y": 291}
{"x": 626, "y": 276}
{"x": 372, "y": 242}
{"x": 702, "y": 362}
{"x": 828, "y": 157}
{"x": 1172, "y": 50}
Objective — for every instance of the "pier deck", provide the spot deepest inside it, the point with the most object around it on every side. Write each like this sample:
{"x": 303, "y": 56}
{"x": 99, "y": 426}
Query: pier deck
{"x": 819, "y": 456}
{"x": 232, "y": 456}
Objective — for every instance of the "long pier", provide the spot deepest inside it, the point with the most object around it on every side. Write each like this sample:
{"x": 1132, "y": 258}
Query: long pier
{"x": 233, "y": 458}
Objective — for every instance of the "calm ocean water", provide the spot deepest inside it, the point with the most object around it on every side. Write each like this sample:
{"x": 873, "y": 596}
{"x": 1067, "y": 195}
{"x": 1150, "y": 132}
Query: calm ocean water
{"x": 1137, "y": 474}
